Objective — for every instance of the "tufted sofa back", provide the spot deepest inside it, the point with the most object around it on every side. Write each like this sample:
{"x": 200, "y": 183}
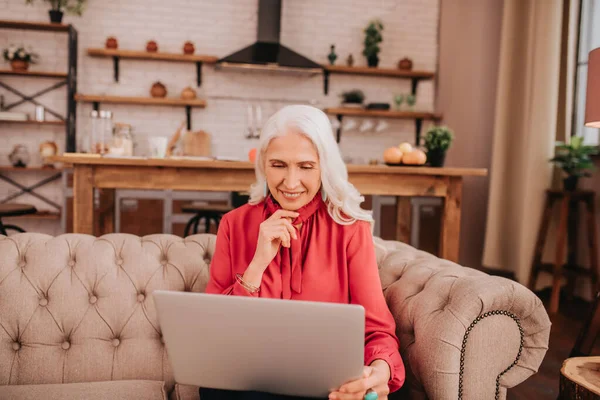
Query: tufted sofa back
{"x": 75, "y": 308}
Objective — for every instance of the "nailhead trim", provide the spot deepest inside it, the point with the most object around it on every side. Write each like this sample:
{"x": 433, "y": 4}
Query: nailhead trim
{"x": 464, "y": 347}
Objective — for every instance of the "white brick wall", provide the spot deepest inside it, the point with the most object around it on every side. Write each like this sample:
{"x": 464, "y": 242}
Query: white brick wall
{"x": 219, "y": 28}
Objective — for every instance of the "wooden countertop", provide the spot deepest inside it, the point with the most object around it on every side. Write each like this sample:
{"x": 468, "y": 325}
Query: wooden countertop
{"x": 85, "y": 159}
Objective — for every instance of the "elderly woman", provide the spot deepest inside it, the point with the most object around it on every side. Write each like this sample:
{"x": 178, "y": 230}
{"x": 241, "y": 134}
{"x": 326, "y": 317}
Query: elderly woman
{"x": 304, "y": 236}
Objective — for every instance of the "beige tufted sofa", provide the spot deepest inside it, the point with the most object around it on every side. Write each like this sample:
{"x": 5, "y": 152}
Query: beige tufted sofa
{"x": 77, "y": 319}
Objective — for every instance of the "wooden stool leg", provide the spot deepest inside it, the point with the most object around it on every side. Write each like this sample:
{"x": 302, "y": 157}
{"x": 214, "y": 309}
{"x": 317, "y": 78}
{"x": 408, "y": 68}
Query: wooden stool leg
{"x": 592, "y": 243}
{"x": 541, "y": 241}
{"x": 560, "y": 254}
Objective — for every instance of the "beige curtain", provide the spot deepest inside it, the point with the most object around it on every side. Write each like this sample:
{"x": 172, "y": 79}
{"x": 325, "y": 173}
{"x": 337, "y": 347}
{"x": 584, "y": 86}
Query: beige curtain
{"x": 524, "y": 131}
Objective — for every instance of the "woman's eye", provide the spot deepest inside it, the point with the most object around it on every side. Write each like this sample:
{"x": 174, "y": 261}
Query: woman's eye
{"x": 277, "y": 166}
{"x": 306, "y": 167}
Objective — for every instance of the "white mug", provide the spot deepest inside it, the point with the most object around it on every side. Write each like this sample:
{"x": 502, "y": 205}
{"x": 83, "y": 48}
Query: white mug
{"x": 158, "y": 146}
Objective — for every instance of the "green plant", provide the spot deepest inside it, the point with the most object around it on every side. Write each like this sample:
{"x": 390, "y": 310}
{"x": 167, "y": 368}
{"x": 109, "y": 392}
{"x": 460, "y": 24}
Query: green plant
{"x": 353, "y": 96}
{"x": 372, "y": 38}
{"x": 574, "y": 158}
{"x": 438, "y": 138}
{"x": 71, "y": 6}
{"x": 13, "y": 53}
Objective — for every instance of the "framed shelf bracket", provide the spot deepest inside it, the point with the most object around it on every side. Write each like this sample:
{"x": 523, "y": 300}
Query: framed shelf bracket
{"x": 418, "y": 127}
{"x": 413, "y": 87}
{"x": 96, "y": 105}
{"x": 116, "y": 60}
{"x": 339, "y": 129}
{"x": 199, "y": 73}
{"x": 326, "y": 83}
{"x": 188, "y": 113}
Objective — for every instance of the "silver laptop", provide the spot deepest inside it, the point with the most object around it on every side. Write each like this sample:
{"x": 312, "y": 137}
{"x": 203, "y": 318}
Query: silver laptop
{"x": 295, "y": 348}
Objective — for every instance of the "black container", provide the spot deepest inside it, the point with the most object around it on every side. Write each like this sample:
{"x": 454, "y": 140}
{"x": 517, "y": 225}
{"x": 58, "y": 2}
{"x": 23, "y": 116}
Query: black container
{"x": 436, "y": 158}
{"x": 373, "y": 61}
{"x": 570, "y": 183}
{"x": 56, "y": 16}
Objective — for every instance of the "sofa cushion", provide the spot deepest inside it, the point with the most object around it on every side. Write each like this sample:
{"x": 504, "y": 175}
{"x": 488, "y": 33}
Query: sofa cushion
{"x": 114, "y": 390}
{"x": 185, "y": 392}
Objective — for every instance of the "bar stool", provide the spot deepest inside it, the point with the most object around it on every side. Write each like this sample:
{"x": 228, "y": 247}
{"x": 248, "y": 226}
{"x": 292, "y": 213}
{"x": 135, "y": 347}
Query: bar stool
{"x": 14, "y": 210}
{"x": 567, "y": 229}
{"x": 210, "y": 213}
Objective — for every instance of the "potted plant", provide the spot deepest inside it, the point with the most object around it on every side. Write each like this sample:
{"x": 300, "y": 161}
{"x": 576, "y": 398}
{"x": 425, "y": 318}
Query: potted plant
{"x": 438, "y": 140}
{"x": 19, "y": 57}
{"x": 574, "y": 159}
{"x": 353, "y": 98}
{"x": 372, "y": 39}
{"x": 57, "y": 7}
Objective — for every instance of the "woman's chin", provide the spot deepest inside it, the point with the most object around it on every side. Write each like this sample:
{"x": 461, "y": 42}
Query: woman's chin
{"x": 292, "y": 204}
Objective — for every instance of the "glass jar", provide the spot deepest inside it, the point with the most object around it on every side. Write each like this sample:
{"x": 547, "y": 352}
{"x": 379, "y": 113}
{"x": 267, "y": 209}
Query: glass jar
{"x": 122, "y": 141}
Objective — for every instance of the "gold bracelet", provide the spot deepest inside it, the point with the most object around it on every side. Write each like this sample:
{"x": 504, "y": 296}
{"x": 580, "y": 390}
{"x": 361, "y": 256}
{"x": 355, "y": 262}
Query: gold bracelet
{"x": 246, "y": 285}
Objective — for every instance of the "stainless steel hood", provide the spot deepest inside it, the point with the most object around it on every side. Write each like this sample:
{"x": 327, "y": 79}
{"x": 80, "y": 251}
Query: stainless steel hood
{"x": 267, "y": 53}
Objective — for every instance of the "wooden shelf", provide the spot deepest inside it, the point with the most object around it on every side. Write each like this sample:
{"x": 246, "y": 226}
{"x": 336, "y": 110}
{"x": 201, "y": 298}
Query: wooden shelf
{"x": 33, "y": 122}
{"x": 360, "y": 112}
{"x": 417, "y": 116}
{"x": 144, "y": 55}
{"x": 146, "y": 101}
{"x": 9, "y": 168}
{"x": 37, "y": 74}
{"x": 34, "y": 26}
{"x": 40, "y": 215}
{"x": 389, "y": 72}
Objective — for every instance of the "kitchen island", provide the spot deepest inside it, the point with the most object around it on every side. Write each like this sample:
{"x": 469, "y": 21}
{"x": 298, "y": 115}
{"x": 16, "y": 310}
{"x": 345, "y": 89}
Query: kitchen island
{"x": 404, "y": 182}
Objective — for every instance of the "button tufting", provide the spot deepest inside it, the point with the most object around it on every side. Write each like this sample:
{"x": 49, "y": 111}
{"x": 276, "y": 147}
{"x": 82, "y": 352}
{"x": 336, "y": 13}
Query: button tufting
{"x": 141, "y": 297}
{"x": 119, "y": 262}
{"x": 93, "y": 299}
{"x": 16, "y": 346}
{"x": 116, "y": 342}
{"x": 22, "y": 264}
{"x": 162, "y": 339}
{"x": 163, "y": 262}
{"x": 43, "y": 302}
{"x": 65, "y": 345}
{"x": 71, "y": 263}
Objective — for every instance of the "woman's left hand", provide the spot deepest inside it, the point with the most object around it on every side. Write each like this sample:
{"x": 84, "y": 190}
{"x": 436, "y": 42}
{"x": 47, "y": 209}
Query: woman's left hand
{"x": 375, "y": 377}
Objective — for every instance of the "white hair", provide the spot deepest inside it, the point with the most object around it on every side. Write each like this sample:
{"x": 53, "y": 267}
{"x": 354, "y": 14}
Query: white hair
{"x": 343, "y": 200}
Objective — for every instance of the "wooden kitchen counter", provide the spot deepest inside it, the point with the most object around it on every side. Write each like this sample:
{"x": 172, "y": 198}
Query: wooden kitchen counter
{"x": 225, "y": 176}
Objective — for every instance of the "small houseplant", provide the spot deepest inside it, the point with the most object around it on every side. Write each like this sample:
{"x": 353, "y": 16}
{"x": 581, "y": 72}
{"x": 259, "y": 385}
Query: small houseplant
{"x": 353, "y": 98}
{"x": 438, "y": 140}
{"x": 372, "y": 39}
{"x": 57, "y": 7}
{"x": 574, "y": 159}
{"x": 19, "y": 57}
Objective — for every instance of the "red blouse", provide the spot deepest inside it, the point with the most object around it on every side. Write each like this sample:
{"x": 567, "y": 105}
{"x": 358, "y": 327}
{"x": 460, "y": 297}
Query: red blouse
{"x": 328, "y": 262}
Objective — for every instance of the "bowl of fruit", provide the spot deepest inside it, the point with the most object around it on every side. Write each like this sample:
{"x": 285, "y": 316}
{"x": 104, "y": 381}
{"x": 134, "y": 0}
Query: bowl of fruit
{"x": 404, "y": 155}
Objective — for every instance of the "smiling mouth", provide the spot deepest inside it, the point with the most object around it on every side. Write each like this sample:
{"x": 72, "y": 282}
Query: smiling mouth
{"x": 291, "y": 195}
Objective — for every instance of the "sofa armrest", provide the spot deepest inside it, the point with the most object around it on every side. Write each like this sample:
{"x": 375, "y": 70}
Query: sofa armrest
{"x": 462, "y": 332}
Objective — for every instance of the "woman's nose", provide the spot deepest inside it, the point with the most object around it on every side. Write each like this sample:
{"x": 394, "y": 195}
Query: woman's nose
{"x": 291, "y": 179}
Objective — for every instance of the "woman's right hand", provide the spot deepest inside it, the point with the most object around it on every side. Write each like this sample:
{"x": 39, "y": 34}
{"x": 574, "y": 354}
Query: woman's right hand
{"x": 275, "y": 231}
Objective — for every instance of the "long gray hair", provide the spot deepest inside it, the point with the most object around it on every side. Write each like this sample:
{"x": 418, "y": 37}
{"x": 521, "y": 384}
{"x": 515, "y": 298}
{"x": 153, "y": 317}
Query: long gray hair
{"x": 343, "y": 200}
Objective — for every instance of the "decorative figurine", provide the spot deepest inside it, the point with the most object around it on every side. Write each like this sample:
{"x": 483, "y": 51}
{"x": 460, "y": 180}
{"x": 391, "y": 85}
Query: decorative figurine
{"x": 189, "y": 48}
{"x": 405, "y": 64}
{"x": 332, "y": 56}
{"x": 188, "y": 93}
{"x": 48, "y": 149}
{"x": 398, "y": 99}
{"x": 112, "y": 43}
{"x": 152, "y": 46}
{"x": 19, "y": 156}
{"x": 350, "y": 60}
{"x": 158, "y": 90}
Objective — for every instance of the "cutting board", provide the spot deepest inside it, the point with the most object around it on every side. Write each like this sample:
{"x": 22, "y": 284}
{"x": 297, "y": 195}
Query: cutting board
{"x": 197, "y": 144}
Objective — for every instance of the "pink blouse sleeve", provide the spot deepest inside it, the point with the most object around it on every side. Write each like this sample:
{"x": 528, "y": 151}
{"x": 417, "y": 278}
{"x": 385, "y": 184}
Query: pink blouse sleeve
{"x": 365, "y": 289}
{"x": 222, "y": 272}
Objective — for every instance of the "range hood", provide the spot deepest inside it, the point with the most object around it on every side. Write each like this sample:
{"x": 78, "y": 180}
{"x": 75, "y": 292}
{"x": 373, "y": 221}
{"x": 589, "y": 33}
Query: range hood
{"x": 267, "y": 53}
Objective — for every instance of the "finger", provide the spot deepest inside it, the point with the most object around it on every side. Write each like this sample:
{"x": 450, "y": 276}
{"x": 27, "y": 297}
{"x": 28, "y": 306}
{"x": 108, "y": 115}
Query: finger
{"x": 283, "y": 234}
{"x": 358, "y": 384}
{"x": 289, "y": 227}
{"x": 283, "y": 214}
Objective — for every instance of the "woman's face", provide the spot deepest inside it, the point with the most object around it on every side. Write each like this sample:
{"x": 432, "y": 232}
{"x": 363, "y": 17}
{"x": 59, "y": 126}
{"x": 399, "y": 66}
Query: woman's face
{"x": 293, "y": 170}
